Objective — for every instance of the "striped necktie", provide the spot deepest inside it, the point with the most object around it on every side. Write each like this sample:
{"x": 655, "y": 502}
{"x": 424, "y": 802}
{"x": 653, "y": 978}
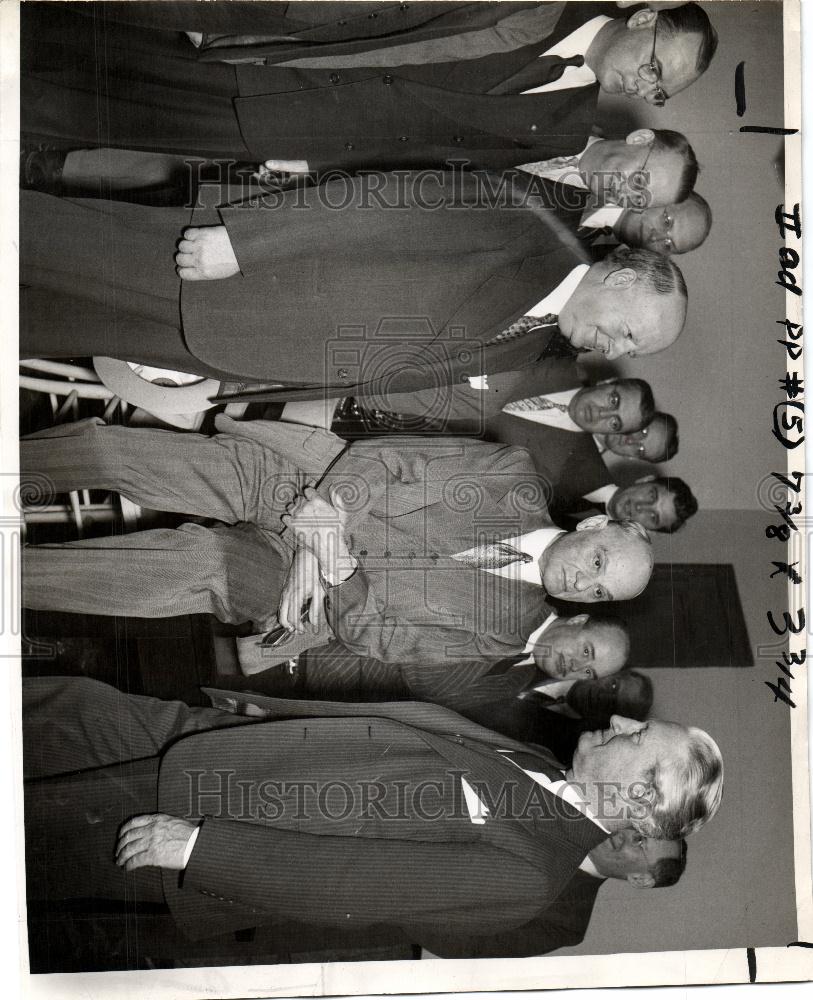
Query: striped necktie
{"x": 533, "y": 403}
{"x": 522, "y": 326}
{"x": 494, "y": 556}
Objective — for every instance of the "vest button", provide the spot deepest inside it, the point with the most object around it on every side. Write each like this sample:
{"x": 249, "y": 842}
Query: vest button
{"x": 403, "y": 138}
{"x": 334, "y": 78}
{"x": 371, "y": 16}
{"x": 348, "y": 145}
{"x": 342, "y": 23}
{"x": 344, "y": 374}
{"x": 362, "y": 552}
{"x": 387, "y": 79}
{"x": 387, "y": 554}
{"x": 458, "y": 138}
{"x": 534, "y": 128}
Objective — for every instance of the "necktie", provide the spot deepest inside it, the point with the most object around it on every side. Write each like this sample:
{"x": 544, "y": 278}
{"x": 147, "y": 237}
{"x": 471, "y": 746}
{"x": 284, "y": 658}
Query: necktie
{"x": 537, "y": 73}
{"x": 554, "y": 166}
{"x": 534, "y": 403}
{"x": 522, "y": 326}
{"x": 502, "y": 667}
{"x": 493, "y": 556}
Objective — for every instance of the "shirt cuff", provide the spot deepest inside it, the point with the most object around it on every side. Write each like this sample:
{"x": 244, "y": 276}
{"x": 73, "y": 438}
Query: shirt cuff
{"x": 190, "y": 844}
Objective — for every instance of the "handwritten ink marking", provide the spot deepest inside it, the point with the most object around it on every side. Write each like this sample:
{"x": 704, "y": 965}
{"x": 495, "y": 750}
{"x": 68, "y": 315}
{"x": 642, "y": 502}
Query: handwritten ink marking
{"x": 752, "y": 964}
{"x": 739, "y": 88}
{"x": 767, "y": 130}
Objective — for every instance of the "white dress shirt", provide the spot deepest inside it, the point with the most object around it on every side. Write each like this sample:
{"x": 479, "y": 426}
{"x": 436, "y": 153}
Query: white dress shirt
{"x": 553, "y": 417}
{"x": 576, "y": 44}
{"x": 602, "y": 495}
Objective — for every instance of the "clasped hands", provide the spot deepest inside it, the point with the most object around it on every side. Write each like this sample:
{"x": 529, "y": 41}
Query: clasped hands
{"x": 321, "y": 558}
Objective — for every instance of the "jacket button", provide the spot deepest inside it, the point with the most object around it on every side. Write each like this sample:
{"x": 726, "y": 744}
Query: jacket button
{"x": 334, "y": 78}
{"x": 371, "y": 16}
{"x": 534, "y": 128}
{"x": 342, "y": 23}
{"x": 458, "y": 138}
{"x": 403, "y": 6}
{"x": 403, "y": 138}
{"x": 348, "y": 145}
{"x": 343, "y": 373}
{"x": 387, "y": 554}
{"x": 411, "y": 555}
{"x": 387, "y": 80}
{"x": 362, "y": 552}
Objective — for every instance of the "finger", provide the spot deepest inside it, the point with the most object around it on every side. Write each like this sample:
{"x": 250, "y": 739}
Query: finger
{"x": 191, "y": 234}
{"x": 129, "y": 850}
{"x": 187, "y": 246}
{"x": 143, "y": 819}
{"x": 189, "y": 274}
{"x": 185, "y": 259}
{"x": 315, "y": 612}
{"x": 143, "y": 859}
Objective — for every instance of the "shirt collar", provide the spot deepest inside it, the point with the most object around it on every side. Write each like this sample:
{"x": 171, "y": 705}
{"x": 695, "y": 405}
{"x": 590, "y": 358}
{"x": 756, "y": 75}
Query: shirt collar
{"x": 603, "y": 494}
{"x": 564, "y": 790}
{"x": 579, "y": 41}
{"x": 534, "y": 637}
{"x": 589, "y": 868}
{"x": 558, "y": 298}
{"x": 598, "y": 218}
{"x": 534, "y": 543}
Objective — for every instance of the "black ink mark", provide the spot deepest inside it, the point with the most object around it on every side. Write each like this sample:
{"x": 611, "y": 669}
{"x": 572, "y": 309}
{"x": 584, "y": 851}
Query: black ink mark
{"x": 752, "y": 965}
{"x": 739, "y": 88}
{"x": 767, "y": 130}
{"x": 782, "y": 567}
{"x": 800, "y": 944}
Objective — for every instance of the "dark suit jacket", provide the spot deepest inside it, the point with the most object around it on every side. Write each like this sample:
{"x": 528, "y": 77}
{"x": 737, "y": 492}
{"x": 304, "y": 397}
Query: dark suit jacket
{"x": 413, "y": 503}
{"x": 360, "y": 870}
{"x": 373, "y": 297}
{"x": 333, "y": 672}
{"x": 562, "y": 925}
{"x": 569, "y": 462}
{"x": 379, "y": 116}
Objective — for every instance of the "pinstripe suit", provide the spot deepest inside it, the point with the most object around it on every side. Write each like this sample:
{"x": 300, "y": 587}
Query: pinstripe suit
{"x": 326, "y": 865}
{"x": 413, "y": 504}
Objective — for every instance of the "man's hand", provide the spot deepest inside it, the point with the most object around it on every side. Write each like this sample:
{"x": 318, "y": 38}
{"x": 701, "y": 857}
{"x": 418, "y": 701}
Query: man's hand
{"x": 153, "y": 840}
{"x": 319, "y": 526}
{"x": 267, "y": 170}
{"x": 205, "y": 254}
{"x": 302, "y": 584}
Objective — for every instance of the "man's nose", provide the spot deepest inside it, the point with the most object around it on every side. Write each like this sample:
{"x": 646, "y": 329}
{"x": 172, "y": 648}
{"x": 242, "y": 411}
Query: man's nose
{"x": 580, "y": 583}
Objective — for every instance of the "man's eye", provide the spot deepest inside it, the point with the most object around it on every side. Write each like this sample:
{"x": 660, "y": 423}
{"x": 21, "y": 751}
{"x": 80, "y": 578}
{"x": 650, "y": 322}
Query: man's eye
{"x": 586, "y": 651}
{"x": 614, "y": 400}
{"x": 599, "y": 592}
{"x": 591, "y": 673}
{"x": 615, "y": 424}
{"x": 597, "y": 561}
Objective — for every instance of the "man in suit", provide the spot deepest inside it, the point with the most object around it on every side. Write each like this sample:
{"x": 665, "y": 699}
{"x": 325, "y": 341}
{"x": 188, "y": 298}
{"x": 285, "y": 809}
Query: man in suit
{"x": 411, "y": 86}
{"x": 561, "y": 651}
{"x": 642, "y": 862}
{"x": 658, "y": 503}
{"x": 330, "y": 290}
{"x": 251, "y": 816}
{"x": 411, "y": 549}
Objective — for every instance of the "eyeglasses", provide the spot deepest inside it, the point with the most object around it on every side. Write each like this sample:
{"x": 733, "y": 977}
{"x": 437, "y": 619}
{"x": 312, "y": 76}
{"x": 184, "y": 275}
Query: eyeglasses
{"x": 652, "y": 72}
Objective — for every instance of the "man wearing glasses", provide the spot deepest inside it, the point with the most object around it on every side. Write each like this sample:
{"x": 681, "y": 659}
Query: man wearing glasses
{"x": 484, "y": 83}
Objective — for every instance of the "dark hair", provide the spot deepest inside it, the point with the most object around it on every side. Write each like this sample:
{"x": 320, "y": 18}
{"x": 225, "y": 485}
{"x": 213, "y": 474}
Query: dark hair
{"x": 613, "y": 622}
{"x": 655, "y": 270}
{"x": 691, "y": 19}
{"x": 637, "y": 706}
{"x": 684, "y": 500}
{"x": 647, "y": 399}
{"x": 672, "y": 442}
{"x": 667, "y": 871}
{"x": 676, "y": 142}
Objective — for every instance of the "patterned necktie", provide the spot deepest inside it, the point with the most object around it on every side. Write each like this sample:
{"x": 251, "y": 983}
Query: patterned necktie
{"x": 521, "y": 326}
{"x": 553, "y": 169}
{"x": 494, "y": 556}
{"x": 534, "y": 403}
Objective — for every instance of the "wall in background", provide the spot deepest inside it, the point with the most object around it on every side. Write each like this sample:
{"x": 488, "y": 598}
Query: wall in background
{"x": 720, "y": 379}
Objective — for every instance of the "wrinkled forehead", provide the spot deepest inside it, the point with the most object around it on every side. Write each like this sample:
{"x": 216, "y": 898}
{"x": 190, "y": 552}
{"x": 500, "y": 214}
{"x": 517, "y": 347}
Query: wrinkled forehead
{"x": 654, "y": 441}
{"x": 688, "y": 225}
{"x": 665, "y": 169}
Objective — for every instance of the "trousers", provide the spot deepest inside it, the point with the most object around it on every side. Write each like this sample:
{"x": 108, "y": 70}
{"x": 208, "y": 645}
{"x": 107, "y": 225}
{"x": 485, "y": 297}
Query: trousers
{"x": 234, "y": 570}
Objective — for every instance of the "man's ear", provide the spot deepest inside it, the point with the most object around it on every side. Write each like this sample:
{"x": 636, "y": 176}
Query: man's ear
{"x": 646, "y": 479}
{"x": 641, "y": 880}
{"x": 596, "y": 521}
{"x": 641, "y": 136}
{"x": 641, "y": 19}
{"x": 620, "y": 277}
{"x": 576, "y": 621}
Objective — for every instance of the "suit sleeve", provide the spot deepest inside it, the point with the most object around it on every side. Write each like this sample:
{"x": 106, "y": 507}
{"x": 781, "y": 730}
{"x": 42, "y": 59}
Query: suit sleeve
{"x": 546, "y": 933}
{"x": 295, "y": 875}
